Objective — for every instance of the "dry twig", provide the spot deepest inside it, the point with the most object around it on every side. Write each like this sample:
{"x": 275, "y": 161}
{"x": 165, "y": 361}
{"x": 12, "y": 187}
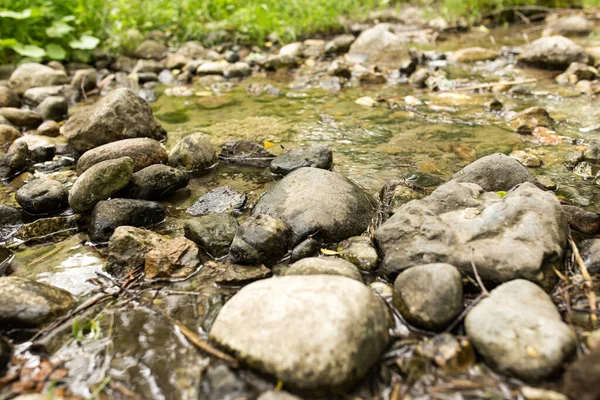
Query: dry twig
{"x": 588, "y": 283}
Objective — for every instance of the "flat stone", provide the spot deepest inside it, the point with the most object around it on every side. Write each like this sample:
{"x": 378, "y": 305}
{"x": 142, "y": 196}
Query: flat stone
{"x": 48, "y": 229}
{"x": 245, "y": 152}
{"x": 22, "y": 118}
{"x": 324, "y": 266}
{"x": 474, "y": 54}
{"x": 220, "y": 200}
{"x": 314, "y": 156}
{"x": 554, "y": 52}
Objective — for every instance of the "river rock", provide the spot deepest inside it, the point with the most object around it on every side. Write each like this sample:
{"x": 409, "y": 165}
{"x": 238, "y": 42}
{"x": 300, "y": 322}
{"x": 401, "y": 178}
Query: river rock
{"x": 100, "y": 182}
{"x": 314, "y": 156}
{"x": 569, "y": 25}
{"x": 581, "y": 220}
{"x": 293, "y": 314}
{"x": 49, "y": 229}
{"x": 11, "y": 219}
{"x": 35, "y": 96}
{"x": 193, "y": 153}
{"x": 213, "y": 232}
{"x": 429, "y": 296}
{"x": 219, "y": 200}
{"x": 122, "y": 114}
{"x": 84, "y": 80}
{"x": 581, "y": 378}
{"x": 9, "y": 98}
{"x": 578, "y": 72}
{"x": 192, "y": 49}
{"x": 14, "y": 161}
{"x": 48, "y": 128}
{"x": 54, "y": 108}
{"x": 261, "y": 239}
{"x": 359, "y": 251}
{"x": 221, "y": 383}
{"x": 474, "y": 54}
{"x": 533, "y": 342}
{"x": 22, "y": 118}
{"x": 151, "y": 49}
{"x": 29, "y": 304}
{"x": 155, "y": 182}
{"x": 590, "y": 253}
{"x": 529, "y": 119}
{"x": 42, "y": 196}
{"x": 553, "y": 52}
{"x": 110, "y": 214}
{"x": 306, "y": 248}
{"x": 378, "y": 45}
{"x": 277, "y": 395}
{"x": 7, "y": 135}
{"x": 520, "y": 235}
{"x": 340, "y": 44}
{"x": 324, "y": 266}
{"x": 173, "y": 258}
{"x": 316, "y": 201}
{"x": 30, "y": 75}
{"x": 496, "y": 172}
{"x": 527, "y": 159}
{"x": 213, "y": 68}
{"x": 127, "y": 249}
{"x": 237, "y": 70}
{"x": 143, "y": 151}
{"x": 245, "y": 152}
{"x": 143, "y": 67}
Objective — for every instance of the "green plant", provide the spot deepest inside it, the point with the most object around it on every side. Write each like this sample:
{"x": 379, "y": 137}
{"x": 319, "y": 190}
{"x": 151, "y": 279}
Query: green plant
{"x": 89, "y": 329}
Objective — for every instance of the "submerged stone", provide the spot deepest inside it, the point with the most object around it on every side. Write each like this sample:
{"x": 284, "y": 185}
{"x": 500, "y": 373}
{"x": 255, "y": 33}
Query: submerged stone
{"x": 219, "y": 200}
{"x": 213, "y": 232}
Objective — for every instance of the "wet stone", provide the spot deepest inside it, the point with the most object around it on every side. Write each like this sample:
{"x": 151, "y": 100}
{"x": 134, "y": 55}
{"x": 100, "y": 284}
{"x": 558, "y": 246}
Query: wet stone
{"x": 307, "y": 248}
{"x": 30, "y": 75}
{"x": 49, "y": 128}
{"x": 220, "y": 383}
{"x": 314, "y": 156}
{"x": 527, "y": 159}
{"x": 53, "y": 108}
{"x": 359, "y": 251}
{"x": 84, "y": 79}
{"x": 155, "y": 182}
{"x": 173, "y": 258}
{"x": 232, "y": 274}
{"x": 11, "y": 220}
{"x": 14, "y": 161}
{"x": 527, "y": 120}
{"x": 586, "y": 170}
{"x": 143, "y": 151}
{"x": 553, "y": 52}
{"x": 22, "y": 118}
{"x": 340, "y": 44}
{"x": 261, "y": 239}
{"x": 582, "y": 221}
{"x": 48, "y": 229}
{"x": 590, "y": 253}
{"x": 42, "y": 196}
{"x": 399, "y": 191}
{"x": 213, "y": 232}
{"x": 474, "y": 54}
{"x": 219, "y": 200}
{"x": 580, "y": 379}
{"x": 8, "y": 98}
{"x": 6, "y": 352}
{"x": 44, "y": 303}
{"x": 324, "y": 266}
{"x": 193, "y": 153}
{"x": 245, "y": 152}
{"x": 429, "y": 296}
{"x": 7, "y": 135}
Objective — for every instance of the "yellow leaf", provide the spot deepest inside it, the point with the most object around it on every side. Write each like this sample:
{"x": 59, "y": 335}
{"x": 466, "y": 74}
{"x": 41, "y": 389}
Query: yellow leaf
{"x": 268, "y": 145}
{"x": 531, "y": 352}
{"x": 328, "y": 252}
{"x": 279, "y": 386}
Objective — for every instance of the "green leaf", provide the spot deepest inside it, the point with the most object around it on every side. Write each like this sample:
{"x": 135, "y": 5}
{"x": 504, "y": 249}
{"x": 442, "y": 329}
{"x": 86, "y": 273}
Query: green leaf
{"x": 55, "y": 51}
{"x": 85, "y": 42}
{"x": 68, "y": 18}
{"x": 8, "y": 42}
{"x": 16, "y": 14}
{"x": 29, "y": 50}
{"x": 58, "y": 29}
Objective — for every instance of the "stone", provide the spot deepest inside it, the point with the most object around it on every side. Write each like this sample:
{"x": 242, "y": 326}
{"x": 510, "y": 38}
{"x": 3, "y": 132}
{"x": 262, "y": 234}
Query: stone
{"x": 340, "y": 44}
{"x": 520, "y": 234}
{"x": 261, "y": 239}
{"x": 324, "y": 266}
{"x": 49, "y": 229}
{"x": 313, "y": 48}
{"x": 553, "y": 52}
{"x": 30, "y": 75}
{"x": 124, "y": 64}
{"x": 569, "y": 25}
{"x": 530, "y": 393}
{"x": 143, "y": 151}
{"x": 146, "y": 67}
{"x": 578, "y": 72}
{"x": 11, "y": 219}
{"x": 42, "y": 196}
{"x": 378, "y": 45}
{"x": 54, "y": 108}
{"x": 84, "y": 80}
{"x": 582, "y": 221}
{"x": 35, "y": 96}
{"x": 14, "y": 161}
{"x": 419, "y": 78}
{"x": 49, "y": 128}
{"x": 359, "y": 251}
{"x": 192, "y": 49}
{"x": 280, "y": 61}
{"x": 277, "y": 395}
{"x": 221, "y": 383}
{"x": 6, "y": 352}
{"x": 293, "y": 314}
{"x": 527, "y": 159}
{"x": 317, "y": 202}
{"x": 590, "y": 253}
{"x": 429, "y": 296}
{"x": 174, "y": 258}
{"x": 176, "y": 61}
{"x": 100, "y": 182}
{"x": 8, "y": 98}
{"x": 449, "y": 353}
{"x": 580, "y": 379}
{"x": 127, "y": 249}
{"x": 527, "y": 120}
{"x": 314, "y": 156}
{"x": 155, "y": 182}
{"x": 193, "y": 153}
{"x": 219, "y": 200}
{"x": 22, "y": 118}
{"x": 307, "y": 248}
{"x": 474, "y": 54}
{"x": 533, "y": 342}
{"x": 29, "y": 304}
{"x": 151, "y": 49}
{"x": 397, "y": 192}
{"x": 496, "y": 172}
{"x": 122, "y": 114}
{"x": 110, "y": 214}
{"x": 245, "y": 152}
{"x": 213, "y": 68}
{"x": 237, "y": 70}
{"x": 213, "y": 233}
{"x": 8, "y": 134}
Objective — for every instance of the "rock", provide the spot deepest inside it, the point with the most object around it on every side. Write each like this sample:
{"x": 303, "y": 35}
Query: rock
{"x": 527, "y": 159}
{"x": 419, "y": 78}
{"x": 49, "y": 128}
{"x": 11, "y": 220}
{"x": 578, "y": 72}
{"x": 527, "y": 120}
{"x": 314, "y": 156}
{"x": 397, "y": 192}
{"x": 155, "y": 182}
{"x": 14, "y": 161}
{"x": 277, "y": 395}
{"x": 580, "y": 380}
{"x": 496, "y": 172}
{"x": 582, "y": 221}
{"x": 124, "y": 64}
{"x": 324, "y": 266}
{"x": 317, "y": 202}
{"x": 590, "y": 253}
{"x": 237, "y": 70}
{"x": 474, "y": 54}
{"x": 530, "y": 393}
{"x": 533, "y": 343}
{"x": 366, "y": 101}
{"x": 54, "y": 108}
{"x": 6, "y": 353}
{"x": 292, "y": 50}
{"x": 174, "y": 258}
{"x": 8, "y": 98}
{"x": 100, "y": 182}
{"x": 122, "y": 114}
{"x": 151, "y": 49}
{"x": 213, "y": 68}
{"x": 429, "y": 296}
{"x": 193, "y": 153}
{"x": 147, "y": 67}
{"x": 245, "y": 152}
{"x": 30, "y": 75}
{"x": 127, "y": 249}
{"x": 8, "y": 134}
{"x": 546, "y": 182}
{"x": 22, "y": 118}
{"x": 192, "y": 49}
{"x": 316, "y": 353}
{"x": 359, "y": 251}
{"x": 42, "y": 196}
{"x": 84, "y": 80}
{"x": 35, "y": 96}
{"x": 313, "y": 48}
{"x": 569, "y": 25}
{"x": 307, "y": 248}
{"x": 280, "y": 61}
{"x": 261, "y": 239}
{"x": 554, "y": 52}
{"x": 143, "y": 151}
{"x": 340, "y": 44}
{"x": 29, "y": 304}
{"x": 176, "y": 61}
{"x": 213, "y": 232}
{"x": 220, "y": 383}
{"x": 573, "y": 158}
{"x": 520, "y": 235}
{"x": 219, "y": 200}
{"x": 49, "y": 229}
{"x": 378, "y": 45}
{"x": 110, "y": 214}
{"x": 494, "y": 105}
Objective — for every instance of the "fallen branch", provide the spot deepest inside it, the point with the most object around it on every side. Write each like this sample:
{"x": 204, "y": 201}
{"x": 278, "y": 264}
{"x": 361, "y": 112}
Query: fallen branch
{"x": 477, "y": 277}
{"x": 588, "y": 283}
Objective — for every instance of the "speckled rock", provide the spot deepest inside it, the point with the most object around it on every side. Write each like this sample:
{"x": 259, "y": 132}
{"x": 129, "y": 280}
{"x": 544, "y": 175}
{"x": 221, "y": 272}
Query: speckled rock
{"x": 359, "y": 250}
{"x": 219, "y": 200}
